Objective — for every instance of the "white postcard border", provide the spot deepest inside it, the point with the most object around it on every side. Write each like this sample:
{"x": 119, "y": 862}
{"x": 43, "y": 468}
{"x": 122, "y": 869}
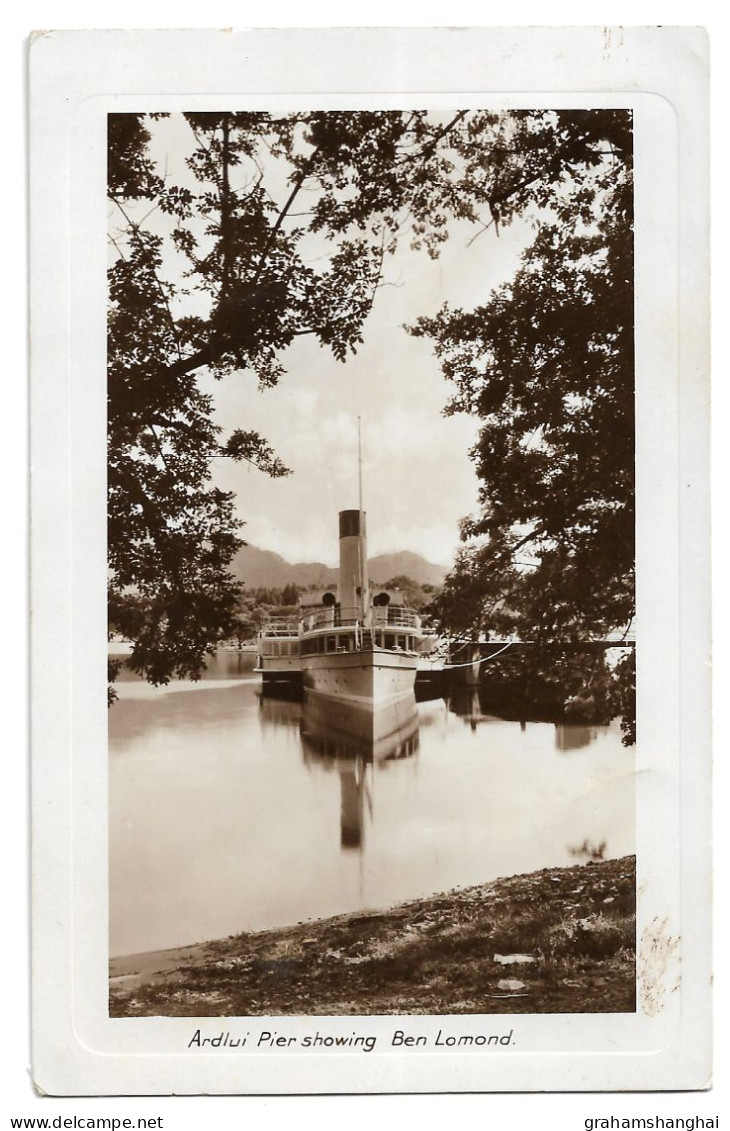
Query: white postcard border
{"x": 77, "y": 78}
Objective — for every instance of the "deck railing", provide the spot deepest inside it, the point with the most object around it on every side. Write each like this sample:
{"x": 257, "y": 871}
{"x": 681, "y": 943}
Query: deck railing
{"x": 383, "y": 616}
{"x": 395, "y": 615}
{"x": 330, "y": 617}
{"x": 281, "y": 626}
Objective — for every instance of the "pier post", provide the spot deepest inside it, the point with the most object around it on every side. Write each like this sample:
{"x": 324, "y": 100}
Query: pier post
{"x": 471, "y": 672}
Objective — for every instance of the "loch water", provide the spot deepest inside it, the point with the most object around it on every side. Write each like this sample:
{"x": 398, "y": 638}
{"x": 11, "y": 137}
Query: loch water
{"x": 230, "y": 810}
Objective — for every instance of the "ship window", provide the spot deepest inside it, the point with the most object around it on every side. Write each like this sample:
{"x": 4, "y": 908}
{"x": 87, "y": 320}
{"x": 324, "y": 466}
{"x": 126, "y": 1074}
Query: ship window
{"x": 330, "y": 643}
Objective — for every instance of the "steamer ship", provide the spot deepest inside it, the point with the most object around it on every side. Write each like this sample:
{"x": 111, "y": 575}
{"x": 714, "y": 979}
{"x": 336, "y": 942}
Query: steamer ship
{"x": 358, "y": 645}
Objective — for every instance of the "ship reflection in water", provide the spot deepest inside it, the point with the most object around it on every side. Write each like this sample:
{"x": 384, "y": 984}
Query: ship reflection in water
{"x": 354, "y": 742}
{"x": 231, "y": 810}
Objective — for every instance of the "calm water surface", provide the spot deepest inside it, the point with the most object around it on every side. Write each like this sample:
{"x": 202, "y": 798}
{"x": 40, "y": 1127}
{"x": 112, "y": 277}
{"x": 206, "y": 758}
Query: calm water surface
{"x": 230, "y": 811}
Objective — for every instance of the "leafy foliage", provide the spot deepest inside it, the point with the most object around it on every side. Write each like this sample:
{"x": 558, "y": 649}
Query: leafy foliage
{"x": 623, "y": 697}
{"x": 224, "y": 270}
{"x": 417, "y": 594}
{"x": 547, "y": 364}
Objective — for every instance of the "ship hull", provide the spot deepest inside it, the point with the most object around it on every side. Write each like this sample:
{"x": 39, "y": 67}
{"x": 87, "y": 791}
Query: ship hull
{"x": 273, "y": 669}
{"x": 368, "y": 678}
{"x": 278, "y": 660}
{"x": 333, "y": 729}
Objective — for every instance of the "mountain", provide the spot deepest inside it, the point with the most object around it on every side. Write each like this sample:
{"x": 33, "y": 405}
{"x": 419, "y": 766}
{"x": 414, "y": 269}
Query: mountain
{"x": 262, "y": 568}
{"x": 405, "y": 564}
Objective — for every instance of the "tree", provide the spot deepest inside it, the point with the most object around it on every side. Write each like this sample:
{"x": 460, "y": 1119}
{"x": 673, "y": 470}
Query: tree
{"x": 416, "y": 594}
{"x": 290, "y": 594}
{"x": 547, "y": 364}
{"x": 218, "y": 272}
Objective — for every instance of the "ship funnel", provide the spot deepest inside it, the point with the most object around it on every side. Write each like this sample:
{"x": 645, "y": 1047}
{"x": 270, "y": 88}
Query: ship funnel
{"x": 353, "y": 563}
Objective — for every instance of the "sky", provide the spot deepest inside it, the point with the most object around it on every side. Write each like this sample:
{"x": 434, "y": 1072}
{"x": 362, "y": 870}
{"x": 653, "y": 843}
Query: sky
{"x": 418, "y": 480}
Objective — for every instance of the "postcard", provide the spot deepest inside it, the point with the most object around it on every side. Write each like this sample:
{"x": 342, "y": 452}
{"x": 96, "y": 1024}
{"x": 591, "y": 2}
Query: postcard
{"x": 370, "y": 542}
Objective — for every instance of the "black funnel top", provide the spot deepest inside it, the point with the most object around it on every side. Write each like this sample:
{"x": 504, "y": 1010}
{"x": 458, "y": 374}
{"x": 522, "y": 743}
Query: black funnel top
{"x": 352, "y": 524}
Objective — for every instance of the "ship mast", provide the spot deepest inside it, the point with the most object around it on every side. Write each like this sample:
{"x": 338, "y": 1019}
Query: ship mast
{"x": 359, "y": 463}
{"x": 361, "y": 521}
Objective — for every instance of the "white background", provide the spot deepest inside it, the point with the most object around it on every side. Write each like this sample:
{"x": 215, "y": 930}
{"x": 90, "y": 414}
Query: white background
{"x": 498, "y": 1111}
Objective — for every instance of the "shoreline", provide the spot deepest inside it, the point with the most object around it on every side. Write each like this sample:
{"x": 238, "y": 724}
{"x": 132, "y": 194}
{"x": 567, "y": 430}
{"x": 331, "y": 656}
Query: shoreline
{"x": 559, "y": 940}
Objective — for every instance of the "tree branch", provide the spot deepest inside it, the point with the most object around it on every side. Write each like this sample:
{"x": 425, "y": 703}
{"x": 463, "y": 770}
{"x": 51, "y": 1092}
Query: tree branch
{"x": 134, "y": 230}
{"x": 429, "y": 148}
{"x": 276, "y": 228}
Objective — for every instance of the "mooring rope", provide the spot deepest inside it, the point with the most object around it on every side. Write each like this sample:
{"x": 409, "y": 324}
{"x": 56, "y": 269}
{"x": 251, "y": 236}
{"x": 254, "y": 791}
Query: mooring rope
{"x": 483, "y": 660}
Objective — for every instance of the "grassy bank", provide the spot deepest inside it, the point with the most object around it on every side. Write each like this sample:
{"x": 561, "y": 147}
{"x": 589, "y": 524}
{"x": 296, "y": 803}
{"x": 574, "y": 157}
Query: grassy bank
{"x": 561, "y": 940}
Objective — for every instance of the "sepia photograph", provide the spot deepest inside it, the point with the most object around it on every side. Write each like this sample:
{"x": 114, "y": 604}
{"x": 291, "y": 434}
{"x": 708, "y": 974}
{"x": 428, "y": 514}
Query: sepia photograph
{"x": 370, "y": 529}
{"x": 371, "y": 562}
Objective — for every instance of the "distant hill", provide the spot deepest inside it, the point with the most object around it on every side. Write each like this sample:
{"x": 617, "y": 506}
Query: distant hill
{"x": 262, "y": 568}
{"x": 405, "y": 564}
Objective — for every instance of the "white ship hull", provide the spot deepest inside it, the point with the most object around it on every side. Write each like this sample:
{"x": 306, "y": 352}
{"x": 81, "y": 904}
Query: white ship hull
{"x": 369, "y": 678}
